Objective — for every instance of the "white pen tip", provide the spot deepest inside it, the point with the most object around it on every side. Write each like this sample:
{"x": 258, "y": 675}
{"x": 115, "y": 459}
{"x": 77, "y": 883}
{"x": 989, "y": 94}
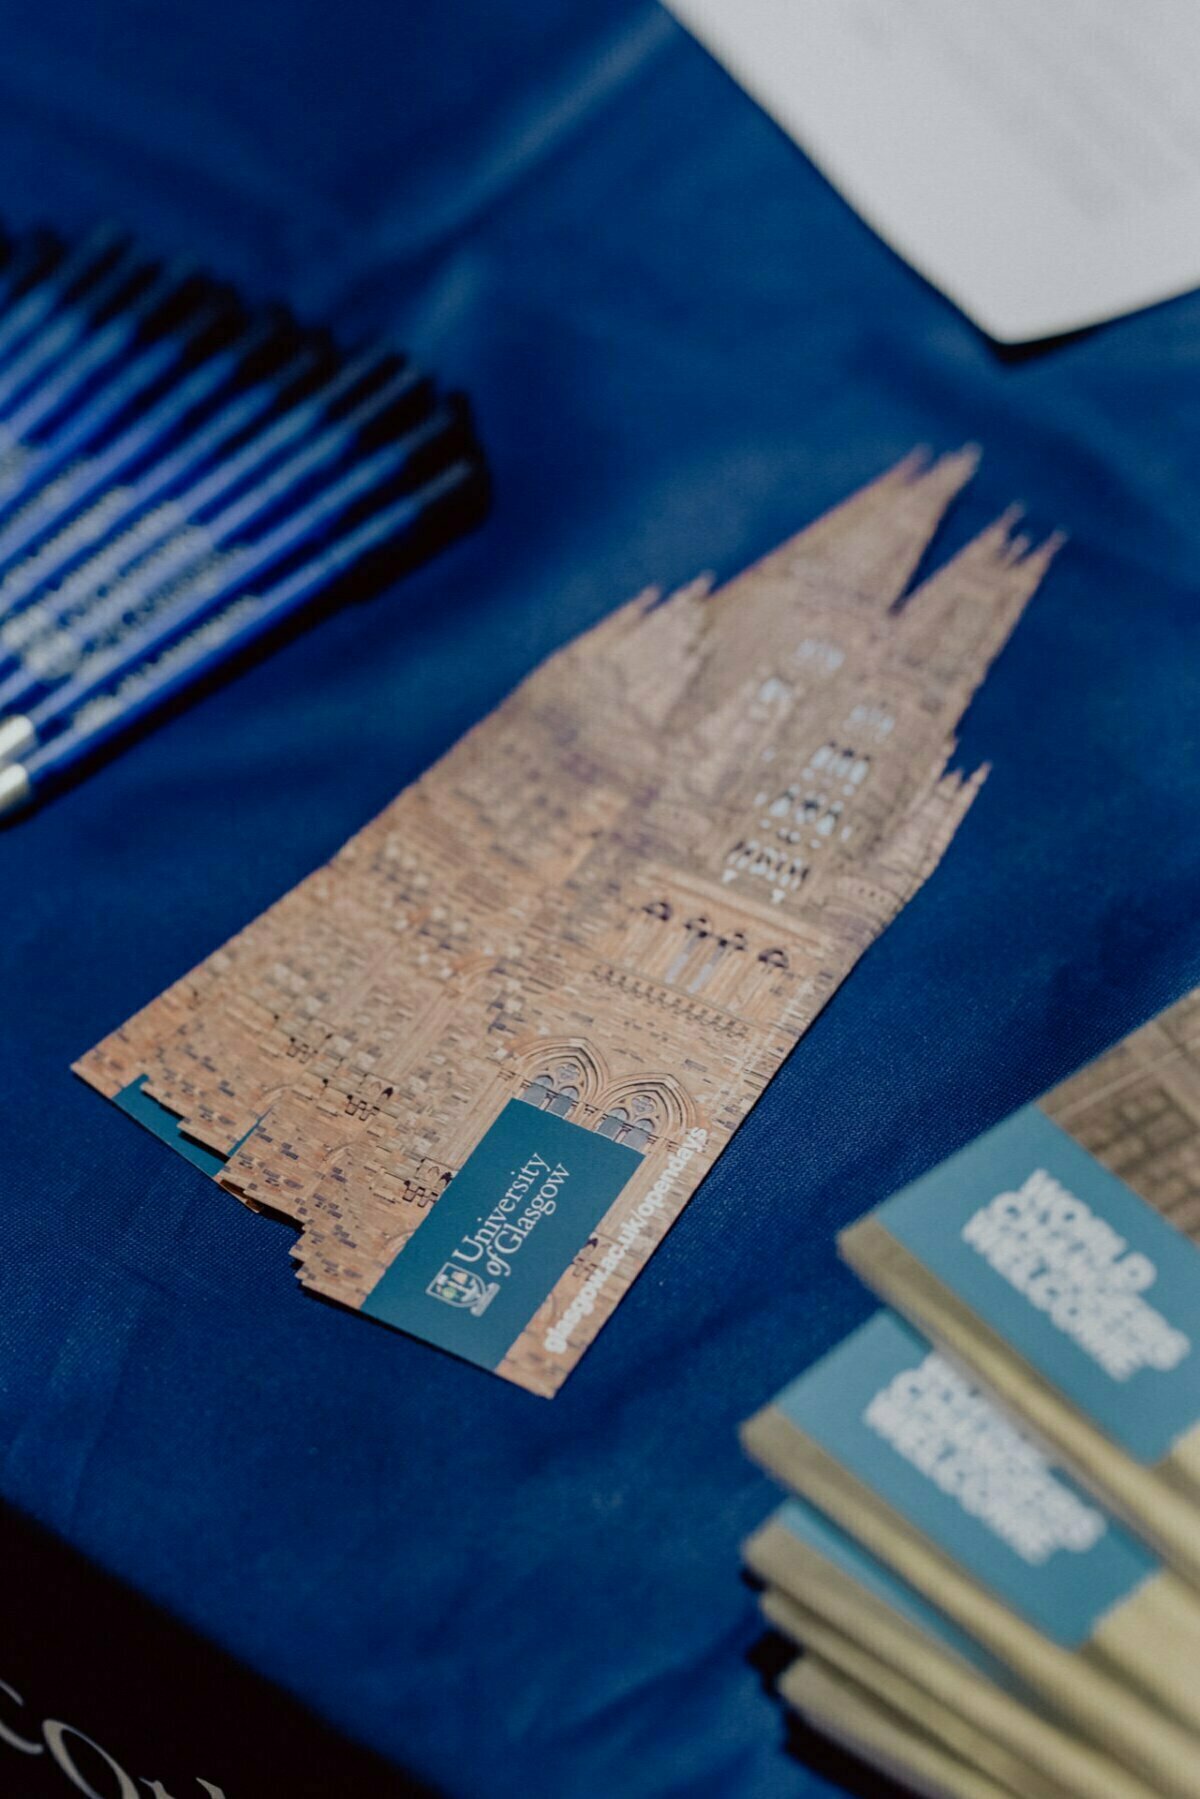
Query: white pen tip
{"x": 17, "y": 738}
{"x": 15, "y": 788}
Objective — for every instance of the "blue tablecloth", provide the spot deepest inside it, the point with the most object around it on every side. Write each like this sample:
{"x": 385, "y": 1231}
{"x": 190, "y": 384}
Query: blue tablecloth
{"x": 681, "y": 345}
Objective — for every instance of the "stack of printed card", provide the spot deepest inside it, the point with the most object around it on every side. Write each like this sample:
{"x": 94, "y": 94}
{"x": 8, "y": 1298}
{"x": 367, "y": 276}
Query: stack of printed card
{"x": 484, "y": 1057}
{"x": 993, "y": 1558}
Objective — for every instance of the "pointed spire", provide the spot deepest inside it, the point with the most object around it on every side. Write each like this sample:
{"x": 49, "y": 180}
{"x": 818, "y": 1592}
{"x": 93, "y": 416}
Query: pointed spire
{"x": 593, "y": 649}
{"x": 657, "y": 661}
{"x": 1026, "y": 571}
{"x": 608, "y": 630}
{"x": 873, "y": 541}
{"x": 926, "y": 831}
{"x": 957, "y": 621}
{"x": 643, "y": 655}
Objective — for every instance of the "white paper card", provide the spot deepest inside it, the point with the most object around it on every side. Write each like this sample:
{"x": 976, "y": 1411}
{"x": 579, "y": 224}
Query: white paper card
{"x": 1038, "y": 160}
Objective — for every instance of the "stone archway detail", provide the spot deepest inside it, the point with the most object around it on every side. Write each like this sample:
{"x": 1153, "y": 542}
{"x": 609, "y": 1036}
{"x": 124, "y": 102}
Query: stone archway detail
{"x": 544, "y": 1053}
{"x": 678, "y": 1108}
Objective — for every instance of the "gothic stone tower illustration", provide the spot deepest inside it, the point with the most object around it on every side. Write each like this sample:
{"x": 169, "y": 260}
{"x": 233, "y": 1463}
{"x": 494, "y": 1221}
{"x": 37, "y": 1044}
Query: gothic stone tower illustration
{"x": 625, "y": 895}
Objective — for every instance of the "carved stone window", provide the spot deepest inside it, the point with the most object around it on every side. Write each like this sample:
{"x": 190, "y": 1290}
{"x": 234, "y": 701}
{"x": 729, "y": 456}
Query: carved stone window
{"x": 718, "y": 949}
{"x": 556, "y": 1089}
{"x": 635, "y": 1123}
{"x": 765, "y": 862}
{"x": 827, "y": 657}
{"x": 802, "y": 817}
{"x": 696, "y": 934}
{"x": 878, "y": 720}
{"x": 834, "y": 762}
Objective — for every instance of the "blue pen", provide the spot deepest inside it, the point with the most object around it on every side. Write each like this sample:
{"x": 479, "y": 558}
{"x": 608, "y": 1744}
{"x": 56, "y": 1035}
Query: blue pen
{"x": 168, "y": 515}
{"x": 319, "y": 410}
{"x": 33, "y": 260}
{"x": 70, "y": 514}
{"x": 187, "y": 659}
{"x": 153, "y": 506}
{"x": 49, "y": 290}
{"x": 176, "y": 536}
{"x": 128, "y": 627}
{"x": 41, "y": 494}
{"x": 39, "y": 355}
{"x": 44, "y": 633}
{"x": 99, "y": 350}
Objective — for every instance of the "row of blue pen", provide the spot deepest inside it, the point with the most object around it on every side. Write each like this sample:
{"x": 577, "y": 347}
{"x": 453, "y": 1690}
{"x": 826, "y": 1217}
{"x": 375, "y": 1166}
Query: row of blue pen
{"x": 178, "y": 477}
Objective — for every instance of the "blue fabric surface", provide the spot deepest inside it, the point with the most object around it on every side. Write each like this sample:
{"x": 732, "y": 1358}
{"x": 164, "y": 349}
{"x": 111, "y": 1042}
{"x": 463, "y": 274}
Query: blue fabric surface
{"x": 681, "y": 345}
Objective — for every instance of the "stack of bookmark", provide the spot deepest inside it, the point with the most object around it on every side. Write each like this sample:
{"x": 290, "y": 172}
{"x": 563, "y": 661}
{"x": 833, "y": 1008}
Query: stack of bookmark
{"x": 178, "y": 477}
{"x": 992, "y": 1555}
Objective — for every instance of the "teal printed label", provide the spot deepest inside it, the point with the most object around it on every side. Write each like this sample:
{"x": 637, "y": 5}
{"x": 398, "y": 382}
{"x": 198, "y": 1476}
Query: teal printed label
{"x": 935, "y": 1449}
{"x": 507, "y": 1227}
{"x": 137, "y": 1104}
{"x": 819, "y": 1534}
{"x": 1064, "y": 1261}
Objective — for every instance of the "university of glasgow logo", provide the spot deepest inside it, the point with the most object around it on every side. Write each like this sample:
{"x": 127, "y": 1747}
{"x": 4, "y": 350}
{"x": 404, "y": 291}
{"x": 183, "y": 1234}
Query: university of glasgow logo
{"x": 456, "y": 1286}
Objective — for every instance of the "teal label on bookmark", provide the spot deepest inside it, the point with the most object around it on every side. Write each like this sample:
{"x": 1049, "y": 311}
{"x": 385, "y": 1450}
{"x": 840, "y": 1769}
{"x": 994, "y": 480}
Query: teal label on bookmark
{"x": 155, "y": 1118}
{"x": 895, "y": 1414}
{"x": 507, "y": 1227}
{"x": 819, "y": 1534}
{"x": 1065, "y": 1262}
